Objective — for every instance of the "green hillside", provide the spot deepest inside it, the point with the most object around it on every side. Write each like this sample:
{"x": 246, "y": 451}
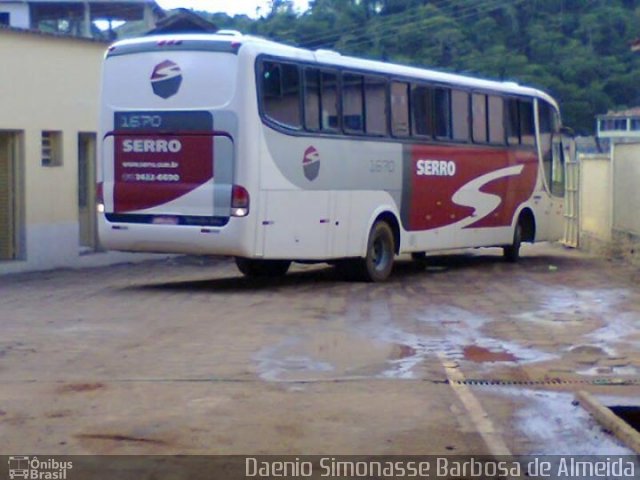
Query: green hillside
{"x": 577, "y": 50}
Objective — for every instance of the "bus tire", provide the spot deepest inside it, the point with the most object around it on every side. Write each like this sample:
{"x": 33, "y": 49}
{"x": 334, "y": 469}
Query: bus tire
{"x": 254, "y": 268}
{"x": 511, "y": 252}
{"x": 376, "y": 266}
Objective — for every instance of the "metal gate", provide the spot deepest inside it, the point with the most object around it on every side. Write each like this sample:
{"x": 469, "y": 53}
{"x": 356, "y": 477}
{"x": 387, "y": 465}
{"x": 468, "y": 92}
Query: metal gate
{"x": 572, "y": 199}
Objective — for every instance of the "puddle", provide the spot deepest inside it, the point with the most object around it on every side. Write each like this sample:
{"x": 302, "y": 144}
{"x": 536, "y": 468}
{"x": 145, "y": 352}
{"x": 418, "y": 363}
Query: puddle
{"x": 550, "y": 419}
{"x": 478, "y": 354}
{"x": 274, "y": 364}
{"x": 324, "y": 355}
{"x": 389, "y": 339}
{"x": 403, "y": 351}
{"x": 448, "y": 331}
{"x": 564, "y": 306}
{"x": 621, "y": 328}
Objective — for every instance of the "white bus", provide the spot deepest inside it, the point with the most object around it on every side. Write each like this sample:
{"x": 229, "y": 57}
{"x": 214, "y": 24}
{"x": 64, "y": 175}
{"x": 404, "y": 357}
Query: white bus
{"x": 234, "y": 145}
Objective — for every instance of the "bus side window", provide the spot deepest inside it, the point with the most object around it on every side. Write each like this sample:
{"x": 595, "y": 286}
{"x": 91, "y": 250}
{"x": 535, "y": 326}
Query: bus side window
{"x": 527, "y": 125}
{"x": 312, "y": 99}
{"x": 281, "y": 93}
{"x": 479, "y": 114}
{"x": 329, "y": 100}
{"x": 375, "y": 105}
{"x": 460, "y": 115}
{"x": 353, "y": 103}
{"x": 496, "y": 120}
{"x": 512, "y": 121}
{"x": 551, "y": 146}
{"x": 443, "y": 112}
{"x": 400, "y": 109}
{"x": 422, "y": 110}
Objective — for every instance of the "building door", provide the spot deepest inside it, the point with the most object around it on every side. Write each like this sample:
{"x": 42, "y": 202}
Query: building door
{"x": 87, "y": 191}
{"x": 8, "y": 204}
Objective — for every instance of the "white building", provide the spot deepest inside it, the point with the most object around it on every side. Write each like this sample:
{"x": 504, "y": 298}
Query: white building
{"x": 619, "y": 127}
{"x": 76, "y": 17}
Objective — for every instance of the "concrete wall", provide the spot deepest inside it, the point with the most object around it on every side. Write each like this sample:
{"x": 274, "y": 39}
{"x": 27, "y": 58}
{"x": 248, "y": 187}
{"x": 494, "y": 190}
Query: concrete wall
{"x": 626, "y": 201}
{"x": 610, "y": 202}
{"x": 626, "y": 195}
{"x": 49, "y": 83}
{"x": 595, "y": 196}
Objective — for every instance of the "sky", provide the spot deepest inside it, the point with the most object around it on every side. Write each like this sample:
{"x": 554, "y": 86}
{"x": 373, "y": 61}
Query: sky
{"x": 231, "y": 7}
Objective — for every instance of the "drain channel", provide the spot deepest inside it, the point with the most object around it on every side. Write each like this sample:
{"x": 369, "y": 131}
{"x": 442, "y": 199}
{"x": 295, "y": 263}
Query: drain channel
{"x": 630, "y": 414}
{"x": 549, "y": 382}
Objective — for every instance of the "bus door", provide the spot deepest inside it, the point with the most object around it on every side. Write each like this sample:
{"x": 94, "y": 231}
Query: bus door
{"x": 561, "y": 149}
{"x": 169, "y": 175}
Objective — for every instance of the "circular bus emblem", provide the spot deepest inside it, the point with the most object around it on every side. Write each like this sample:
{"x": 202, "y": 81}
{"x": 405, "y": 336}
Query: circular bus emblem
{"x": 311, "y": 163}
{"x": 166, "y": 79}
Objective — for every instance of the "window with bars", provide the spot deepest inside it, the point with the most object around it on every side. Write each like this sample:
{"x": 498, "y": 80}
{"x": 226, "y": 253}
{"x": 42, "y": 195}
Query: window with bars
{"x": 51, "y": 148}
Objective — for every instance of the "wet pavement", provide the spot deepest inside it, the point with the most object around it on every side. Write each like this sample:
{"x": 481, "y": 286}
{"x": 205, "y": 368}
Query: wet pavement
{"x": 463, "y": 354}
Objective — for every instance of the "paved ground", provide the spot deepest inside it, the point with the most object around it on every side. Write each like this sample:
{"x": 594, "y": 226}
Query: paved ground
{"x": 185, "y": 356}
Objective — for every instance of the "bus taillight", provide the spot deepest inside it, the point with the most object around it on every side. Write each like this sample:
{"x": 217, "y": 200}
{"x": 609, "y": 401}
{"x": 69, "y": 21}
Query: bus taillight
{"x": 239, "y": 201}
{"x": 100, "y": 197}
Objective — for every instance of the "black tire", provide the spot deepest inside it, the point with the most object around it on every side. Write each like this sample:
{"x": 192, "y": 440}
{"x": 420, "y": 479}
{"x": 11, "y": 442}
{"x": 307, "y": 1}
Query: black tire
{"x": 511, "y": 252}
{"x": 262, "y": 268}
{"x": 419, "y": 256}
{"x": 376, "y": 266}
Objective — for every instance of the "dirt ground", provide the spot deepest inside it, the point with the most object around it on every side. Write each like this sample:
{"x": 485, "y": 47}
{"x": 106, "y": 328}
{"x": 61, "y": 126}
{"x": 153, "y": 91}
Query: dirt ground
{"x": 467, "y": 354}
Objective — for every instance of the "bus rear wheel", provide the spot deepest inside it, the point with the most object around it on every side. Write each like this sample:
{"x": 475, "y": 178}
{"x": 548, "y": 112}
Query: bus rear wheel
{"x": 376, "y": 266}
{"x": 511, "y": 252}
{"x": 262, "y": 268}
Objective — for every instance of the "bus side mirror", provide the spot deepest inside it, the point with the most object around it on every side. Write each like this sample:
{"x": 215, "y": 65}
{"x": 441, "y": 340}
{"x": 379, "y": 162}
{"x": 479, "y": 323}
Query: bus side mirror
{"x": 567, "y": 132}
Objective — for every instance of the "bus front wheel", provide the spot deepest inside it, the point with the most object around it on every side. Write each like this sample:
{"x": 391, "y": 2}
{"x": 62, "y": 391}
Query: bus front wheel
{"x": 511, "y": 252}
{"x": 378, "y": 263}
{"x": 262, "y": 268}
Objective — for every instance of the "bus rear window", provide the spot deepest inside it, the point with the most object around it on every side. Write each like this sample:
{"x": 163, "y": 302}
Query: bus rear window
{"x": 281, "y": 93}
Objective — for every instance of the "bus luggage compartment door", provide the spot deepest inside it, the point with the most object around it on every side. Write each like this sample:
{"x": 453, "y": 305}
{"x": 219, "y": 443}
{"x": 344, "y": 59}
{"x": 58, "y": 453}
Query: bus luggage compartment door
{"x": 298, "y": 225}
{"x": 184, "y": 178}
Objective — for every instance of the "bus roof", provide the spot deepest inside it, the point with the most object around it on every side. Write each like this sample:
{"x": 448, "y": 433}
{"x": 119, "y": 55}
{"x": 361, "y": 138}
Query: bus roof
{"x": 225, "y": 40}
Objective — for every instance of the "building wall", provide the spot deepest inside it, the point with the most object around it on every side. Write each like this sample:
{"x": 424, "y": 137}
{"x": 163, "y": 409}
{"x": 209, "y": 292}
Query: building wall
{"x": 595, "y": 196}
{"x": 610, "y": 202}
{"x": 51, "y": 83}
{"x": 626, "y": 195}
{"x": 19, "y": 14}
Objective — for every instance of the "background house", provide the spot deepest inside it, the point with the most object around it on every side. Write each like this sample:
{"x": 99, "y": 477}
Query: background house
{"x": 50, "y": 83}
{"x": 79, "y": 17}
